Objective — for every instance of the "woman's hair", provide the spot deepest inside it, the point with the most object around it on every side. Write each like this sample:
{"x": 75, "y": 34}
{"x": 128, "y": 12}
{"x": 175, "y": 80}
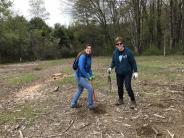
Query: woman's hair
{"x": 118, "y": 39}
{"x": 83, "y": 51}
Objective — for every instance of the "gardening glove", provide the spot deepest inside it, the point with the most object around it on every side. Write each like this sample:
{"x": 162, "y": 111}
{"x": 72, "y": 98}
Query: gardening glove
{"x": 135, "y": 75}
{"x": 91, "y": 78}
{"x": 109, "y": 70}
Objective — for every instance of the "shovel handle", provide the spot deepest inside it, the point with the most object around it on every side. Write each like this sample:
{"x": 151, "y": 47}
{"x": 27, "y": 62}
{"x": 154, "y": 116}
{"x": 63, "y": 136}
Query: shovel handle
{"x": 94, "y": 95}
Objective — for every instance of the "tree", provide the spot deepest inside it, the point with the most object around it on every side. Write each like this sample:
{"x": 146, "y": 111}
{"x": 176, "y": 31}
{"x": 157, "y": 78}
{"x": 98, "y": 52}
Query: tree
{"x": 136, "y": 14}
{"x": 37, "y": 9}
{"x": 4, "y": 8}
{"x": 159, "y": 26}
{"x": 176, "y": 15}
{"x": 39, "y": 33}
{"x": 14, "y": 39}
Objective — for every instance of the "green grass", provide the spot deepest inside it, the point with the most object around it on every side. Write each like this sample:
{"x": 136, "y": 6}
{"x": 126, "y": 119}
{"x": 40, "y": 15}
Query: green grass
{"x": 67, "y": 80}
{"x": 22, "y": 79}
{"x": 23, "y": 112}
{"x": 50, "y": 63}
{"x": 157, "y": 67}
{"x": 67, "y": 70}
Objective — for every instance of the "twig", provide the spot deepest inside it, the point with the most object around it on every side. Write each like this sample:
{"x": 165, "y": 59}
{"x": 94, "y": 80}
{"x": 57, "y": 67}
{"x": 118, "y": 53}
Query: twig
{"x": 172, "y": 135}
{"x": 122, "y": 135}
{"x": 21, "y": 135}
{"x": 156, "y": 131}
{"x": 71, "y": 123}
{"x": 126, "y": 125}
{"x": 69, "y": 126}
{"x": 159, "y": 116}
{"x": 85, "y": 125}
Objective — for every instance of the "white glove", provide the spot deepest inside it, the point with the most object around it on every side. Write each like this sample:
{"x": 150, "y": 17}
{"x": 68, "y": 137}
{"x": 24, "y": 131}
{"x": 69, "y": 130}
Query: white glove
{"x": 135, "y": 75}
{"x": 109, "y": 70}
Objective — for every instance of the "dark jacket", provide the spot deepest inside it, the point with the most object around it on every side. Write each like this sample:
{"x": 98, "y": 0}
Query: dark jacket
{"x": 127, "y": 64}
{"x": 84, "y": 66}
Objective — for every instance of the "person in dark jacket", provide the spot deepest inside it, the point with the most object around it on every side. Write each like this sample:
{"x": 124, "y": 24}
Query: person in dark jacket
{"x": 83, "y": 75}
{"x": 125, "y": 68}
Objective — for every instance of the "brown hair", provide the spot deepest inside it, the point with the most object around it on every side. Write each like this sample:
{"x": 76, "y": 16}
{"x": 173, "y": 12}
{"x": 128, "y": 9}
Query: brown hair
{"x": 118, "y": 39}
{"x": 83, "y": 51}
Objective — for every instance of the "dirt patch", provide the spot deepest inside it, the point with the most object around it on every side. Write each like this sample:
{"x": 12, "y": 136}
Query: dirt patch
{"x": 159, "y": 107}
{"x": 29, "y": 93}
{"x": 145, "y": 130}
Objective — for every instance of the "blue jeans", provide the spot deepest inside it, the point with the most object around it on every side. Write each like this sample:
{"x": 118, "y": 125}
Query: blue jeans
{"x": 81, "y": 84}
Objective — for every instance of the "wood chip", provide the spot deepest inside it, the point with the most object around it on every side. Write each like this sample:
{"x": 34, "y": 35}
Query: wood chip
{"x": 159, "y": 116}
{"x": 21, "y": 135}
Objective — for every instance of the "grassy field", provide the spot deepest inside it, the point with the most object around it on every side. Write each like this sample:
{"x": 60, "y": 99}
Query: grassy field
{"x": 35, "y": 99}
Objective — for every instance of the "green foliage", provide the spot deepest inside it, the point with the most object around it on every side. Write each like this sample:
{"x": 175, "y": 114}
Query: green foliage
{"x": 25, "y": 111}
{"x": 152, "y": 51}
{"x": 22, "y": 79}
{"x": 14, "y": 38}
{"x": 4, "y": 8}
{"x": 177, "y": 51}
{"x": 67, "y": 81}
{"x": 95, "y": 23}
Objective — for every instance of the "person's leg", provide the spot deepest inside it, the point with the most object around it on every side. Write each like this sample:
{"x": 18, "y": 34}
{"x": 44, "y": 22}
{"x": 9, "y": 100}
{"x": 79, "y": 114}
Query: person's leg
{"x": 129, "y": 88}
{"x": 76, "y": 96}
{"x": 85, "y": 84}
{"x": 77, "y": 93}
{"x": 120, "y": 83}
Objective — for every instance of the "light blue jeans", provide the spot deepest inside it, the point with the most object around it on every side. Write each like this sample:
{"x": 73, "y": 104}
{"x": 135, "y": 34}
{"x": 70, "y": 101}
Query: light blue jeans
{"x": 81, "y": 84}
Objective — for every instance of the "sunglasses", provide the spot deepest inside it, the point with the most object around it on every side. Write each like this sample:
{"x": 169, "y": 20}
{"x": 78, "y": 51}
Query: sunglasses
{"x": 119, "y": 44}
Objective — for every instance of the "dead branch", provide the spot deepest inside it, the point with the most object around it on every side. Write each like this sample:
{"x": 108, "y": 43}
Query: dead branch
{"x": 172, "y": 135}
{"x": 21, "y": 135}
{"x": 155, "y": 130}
{"x": 71, "y": 123}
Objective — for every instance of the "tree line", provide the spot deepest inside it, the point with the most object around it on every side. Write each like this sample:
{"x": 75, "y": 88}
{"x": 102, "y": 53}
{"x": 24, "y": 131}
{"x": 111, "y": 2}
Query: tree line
{"x": 149, "y": 27}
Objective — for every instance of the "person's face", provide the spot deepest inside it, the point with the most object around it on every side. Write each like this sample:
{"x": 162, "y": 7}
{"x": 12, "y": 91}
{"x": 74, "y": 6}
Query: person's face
{"x": 88, "y": 50}
{"x": 119, "y": 46}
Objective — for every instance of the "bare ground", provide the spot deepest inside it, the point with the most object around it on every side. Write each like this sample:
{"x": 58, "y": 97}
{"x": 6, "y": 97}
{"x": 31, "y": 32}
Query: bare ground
{"x": 41, "y": 108}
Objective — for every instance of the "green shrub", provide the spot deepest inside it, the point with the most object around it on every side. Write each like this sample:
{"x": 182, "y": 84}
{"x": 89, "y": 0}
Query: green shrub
{"x": 152, "y": 51}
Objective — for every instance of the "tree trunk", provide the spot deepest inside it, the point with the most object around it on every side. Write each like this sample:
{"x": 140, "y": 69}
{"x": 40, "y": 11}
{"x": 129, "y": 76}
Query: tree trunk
{"x": 159, "y": 28}
{"x": 172, "y": 41}
{"x": 137, "y": 16}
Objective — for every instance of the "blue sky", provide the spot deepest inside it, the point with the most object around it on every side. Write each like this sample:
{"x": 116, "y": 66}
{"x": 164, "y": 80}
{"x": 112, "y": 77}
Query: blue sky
{"x": 54, "y": 7}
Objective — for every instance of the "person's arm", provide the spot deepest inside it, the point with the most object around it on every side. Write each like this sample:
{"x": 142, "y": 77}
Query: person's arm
{"x": 82, "y": 65}
{"x": 113, "y": 61}
{"x": 90, "y": 70}
{"x": 132, "y": 61}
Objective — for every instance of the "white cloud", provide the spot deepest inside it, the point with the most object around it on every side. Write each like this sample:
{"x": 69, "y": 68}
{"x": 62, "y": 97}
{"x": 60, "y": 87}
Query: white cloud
{"x": 54, "y": 7}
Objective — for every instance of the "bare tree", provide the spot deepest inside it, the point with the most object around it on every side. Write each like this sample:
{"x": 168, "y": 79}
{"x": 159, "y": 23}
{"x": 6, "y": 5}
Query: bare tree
{"x": 4, "y": 8}
{"x": 37, "y": 9}
{"x": 159, "y": 28}
{"x": 136, "y": 14}
{"x": 176, "y": 15}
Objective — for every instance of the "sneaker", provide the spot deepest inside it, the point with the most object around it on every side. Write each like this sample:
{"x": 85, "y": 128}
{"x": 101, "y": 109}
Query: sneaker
{"x": 119, "y": 102}
{"x": 133, "y": 104}
{"x": 74, "y": 105}
{"x": 92, "y": 107}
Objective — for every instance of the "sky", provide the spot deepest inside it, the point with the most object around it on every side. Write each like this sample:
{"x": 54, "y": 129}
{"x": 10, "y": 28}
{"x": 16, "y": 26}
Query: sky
{"x": 55, "y": 8}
